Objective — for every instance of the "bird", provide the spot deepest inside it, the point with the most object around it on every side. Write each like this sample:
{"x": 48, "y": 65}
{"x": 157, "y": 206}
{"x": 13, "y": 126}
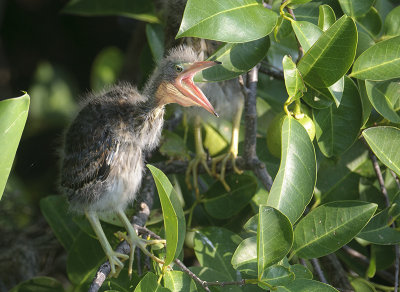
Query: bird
{"x": 226, "y": 96}
{"x": 102, "y": 158}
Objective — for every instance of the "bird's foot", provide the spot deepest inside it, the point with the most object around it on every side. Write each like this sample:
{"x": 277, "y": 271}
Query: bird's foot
{"x": 199, "y": 159}
{"x": 224, "y": 159}
{"x": 115, "y": 259}
{"x": 134, "y": 240}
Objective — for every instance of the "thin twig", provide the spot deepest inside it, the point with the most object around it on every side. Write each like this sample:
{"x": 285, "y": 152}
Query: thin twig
{"x": 395, "y": 178}
{"x": 301, "y": 50}
{"x": 379, "y": 176}
{"x": 319, "y": 271}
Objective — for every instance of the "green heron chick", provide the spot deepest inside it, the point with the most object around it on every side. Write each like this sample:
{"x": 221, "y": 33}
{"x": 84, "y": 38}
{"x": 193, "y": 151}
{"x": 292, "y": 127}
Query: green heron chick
{"x": 102, "y": 159}
{"x": 226, "y": 96}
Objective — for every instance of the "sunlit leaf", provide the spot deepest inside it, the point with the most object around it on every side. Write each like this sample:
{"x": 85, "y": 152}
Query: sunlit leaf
{"x": 293, "y": 81}
{"x": 178, "y": 281}
{"x": 219, "y": 20}
{"x": 330, "y": 226}
{"x": 13, "y": 115}
{"x": 391, "y": 26}
{"x": 150, "y": 283}
{"x": 307, "y": 33}
{"x": 326, "y": 17}
{"x": 356, "y": 7}
{"x": 245, "y": 257}
{"x": 174, "y": 219}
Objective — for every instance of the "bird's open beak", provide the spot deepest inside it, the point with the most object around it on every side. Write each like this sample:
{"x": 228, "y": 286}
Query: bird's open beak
{"x": 184, "y": 82}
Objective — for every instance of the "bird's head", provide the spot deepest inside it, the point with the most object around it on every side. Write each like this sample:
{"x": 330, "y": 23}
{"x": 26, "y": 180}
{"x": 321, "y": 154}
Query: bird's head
{"x": 175, "y": 79}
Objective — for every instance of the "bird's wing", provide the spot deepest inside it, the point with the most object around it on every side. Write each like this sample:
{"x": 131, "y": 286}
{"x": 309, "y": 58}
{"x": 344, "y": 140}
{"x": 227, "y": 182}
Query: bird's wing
{"x": 88, "y": 155}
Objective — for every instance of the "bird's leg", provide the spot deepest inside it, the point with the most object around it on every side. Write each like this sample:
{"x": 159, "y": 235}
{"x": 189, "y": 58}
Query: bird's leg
{"x": 233, "y": 149}
{"x": 200, "y": 158}
{"x": 134, "y": 240}
{"x": 113, "y": 257}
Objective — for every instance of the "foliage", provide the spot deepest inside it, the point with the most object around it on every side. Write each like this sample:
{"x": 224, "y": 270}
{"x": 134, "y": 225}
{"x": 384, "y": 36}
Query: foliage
{"x": 325, "y": 198}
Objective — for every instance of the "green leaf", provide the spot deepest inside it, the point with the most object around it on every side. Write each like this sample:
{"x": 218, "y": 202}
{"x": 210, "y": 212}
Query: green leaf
{"x": 293, "y": 81}
{"x": 391, "y": 27}
{"x": 178, "y": 281}
{"x": 55, "y": 210}
{"x": 383, "y": 142}
{"x": 324, "y": 97}
{"x": 293, "y": 3}
{"x": 306, "y": 33}
{"x": 337, "y": 128}
{"x": 301, "y": 272}
{"x": 371, "y": 22}
{"x": 274, "y": 237}
{"x": 245, "y": 257}
{"x": 39, "y": 284}
{"x": 378, "y": 230}
{"x": 222, "y": 204}
{"x": 326, "y": 17}
{"x": 106, "y": 68}
{"x": 366, "y": 104}
{"x": 236, "y": 59}
{"x": 149, "y": 283}
{"x": 384, "y": 96}
{"x": 210, "y": 275}
{"x": 362, "y": 285}
{"x": 356, "y": 7}
{"x": 13, "y": 115}
{"x": 305, "y": 285}
{"x": 330, "y": 226}
{"x": 173, "y": 145}
{"x": 365, "y": 41}
{"x": 214, "y": 247}
{"x": 220, "y": 20}
{"x": 174, "y": 218}
{"x": 138, "y": 9}
{"x": 292, "y": 190}
{"x": 331, "y": 56}
{"x": 379, "y": 62}
{"x": 276, "y": 276}
{"x": 308, "y": 12}
{"x": 155, "y": 38}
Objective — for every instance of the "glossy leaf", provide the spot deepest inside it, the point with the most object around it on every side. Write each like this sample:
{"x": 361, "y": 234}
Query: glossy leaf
{"x": 383, "y": 97}
{"x": 306, "y": 33}
{"x": 251, "y": 224}
{"x": 365, "y": 41}
{"x": 174, "y": 219}
{"x": 379, "y": 62}
{"x": 356, "y": 7}
{"x": 222, "y": 204}
{"x": 293, "y": 81}
{"x": 391, "y": 26}
{"x": 326, "y": 17}
{"x": 155, "y": 38}
{"x": 211, "y": 275}
{"x": 214, "y": 247}
{"x": 378, "y": 230}
{"x": 39, "y": 284}
{"x": 297, "y": 2}
{"x": 366, "y": 104}
{"x": 338, "y": 128}
{"x": 308, "y": 12}
{"x": 294, "y": 184}
{"x": 384, "y": 141}
{"x": 236, "y": 59}
{"x": 138, "y": 9}
{"x": 13, "y": 115}
{"x": 276, "y": 276}
{"x": 274, "y": 237}
{"x": 305, "y": 285}
{"x": 178, "y": 281}
{"x": 219, "y": 20}
{"x": 55, "y": 210}
{"x": 245, "y": 257}
{"x": 149, "y": 283}
{"x": 301, "y": 272}
{"x": 319, "y": 98}
{"x": 331, "y": 56}
{"x": 330, "y": 226}
{"x": 371, "y": 22}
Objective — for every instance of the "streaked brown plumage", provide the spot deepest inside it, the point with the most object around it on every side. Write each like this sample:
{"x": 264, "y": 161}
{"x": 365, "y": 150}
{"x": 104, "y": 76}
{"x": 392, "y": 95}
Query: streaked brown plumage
{"x": 102, "y": 159}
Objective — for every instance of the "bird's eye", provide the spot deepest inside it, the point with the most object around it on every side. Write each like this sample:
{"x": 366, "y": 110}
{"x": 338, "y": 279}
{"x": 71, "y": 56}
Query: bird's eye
{"x": 178, "y": 68}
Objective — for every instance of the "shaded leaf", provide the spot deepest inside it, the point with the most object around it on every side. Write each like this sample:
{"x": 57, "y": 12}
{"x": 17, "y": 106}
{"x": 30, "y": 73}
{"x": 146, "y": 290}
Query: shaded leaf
{"x": 274, "y": 237}
{"x": 301, "y": 272}
{"x": 155, "y": 38}
{"x": 307, "y": 33}
{"x": 331, "y": 56}
{"x": 294, "y": 184}
{"x": 276, "y": 276}
{"x": 391, "y": 26}
{"x": 174, "y": 219}
{"x": 211, "y": 275}
{"x": 371, "y": 22}
{"x": 55, "y": 210}
{"x": 138, "y": 9}
{"x": 366, "y": 104}
{"x": 245, "y": 257}
{"x": 326, "y": 17}
{"x": 149, "y": 283}
{"x": 178, "y": 281}
{"x": 356, "y": 7}
{"x": 293, "y": 81}
{"x": 330, "y": 226}
{"x": 219, "y": 20}
{"x": 379, "y": 62}
{"x": 39, "y": 284}
{"x": 305, "y": 285}
{"x": 13, "y": 115}
{"x": 319, "y": 98}
{"x": 236, "y": 59}
{"x": 338, "y": 128}
{"x": 384, "y": 141}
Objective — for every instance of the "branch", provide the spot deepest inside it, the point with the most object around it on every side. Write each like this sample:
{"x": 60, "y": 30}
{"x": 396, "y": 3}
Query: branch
{"x": 140, "y": 218}
{"x": 319, "y": 271}
{"x": 379, "y": 176}
{"x": 335, "y": 272}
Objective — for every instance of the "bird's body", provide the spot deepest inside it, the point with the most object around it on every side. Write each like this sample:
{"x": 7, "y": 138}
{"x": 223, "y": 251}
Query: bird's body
{"x": 103, "y": 155}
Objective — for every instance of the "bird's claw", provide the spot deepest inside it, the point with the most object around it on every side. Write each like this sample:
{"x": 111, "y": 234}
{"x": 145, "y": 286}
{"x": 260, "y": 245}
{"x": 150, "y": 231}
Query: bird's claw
{"x": 116, "y": 264}
{"x": 224, "y": 158}
{"x": 200, "y": 158}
